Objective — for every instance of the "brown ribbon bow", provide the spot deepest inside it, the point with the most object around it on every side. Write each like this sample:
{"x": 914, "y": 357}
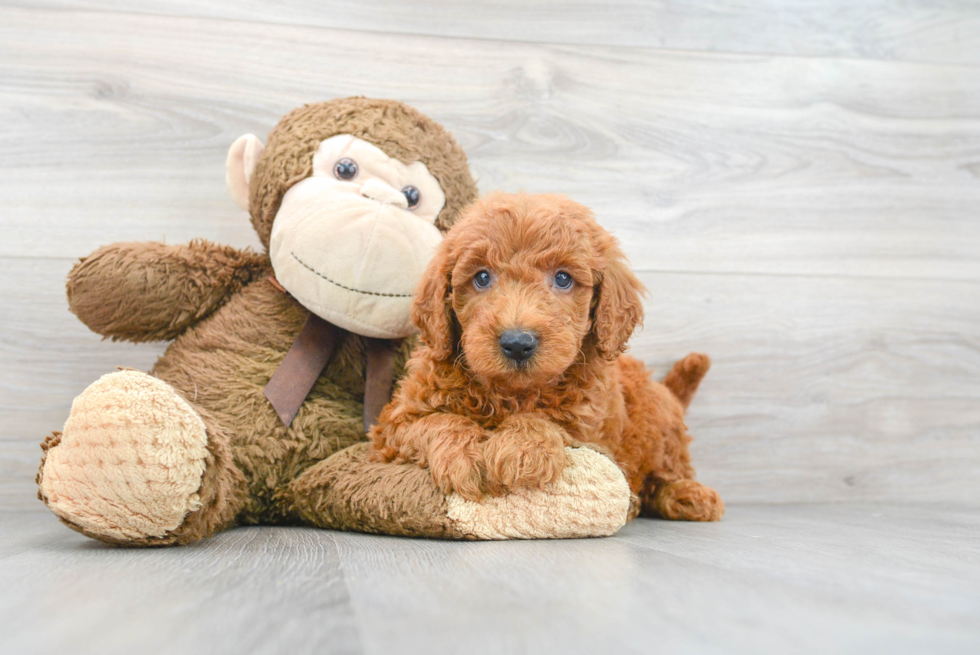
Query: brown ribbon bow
{"x": 309, "y": 355}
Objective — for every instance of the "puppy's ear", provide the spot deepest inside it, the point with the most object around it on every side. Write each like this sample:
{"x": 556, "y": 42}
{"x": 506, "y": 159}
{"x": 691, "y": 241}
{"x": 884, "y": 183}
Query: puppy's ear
{"x": 432, "y": 310}
{"x": 618, "y": 306}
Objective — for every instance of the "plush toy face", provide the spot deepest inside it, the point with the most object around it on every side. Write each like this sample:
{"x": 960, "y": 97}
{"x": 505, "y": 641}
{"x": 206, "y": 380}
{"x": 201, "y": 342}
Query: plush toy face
{"x": 351, "y": 198}
{"x": 350, "y": 241}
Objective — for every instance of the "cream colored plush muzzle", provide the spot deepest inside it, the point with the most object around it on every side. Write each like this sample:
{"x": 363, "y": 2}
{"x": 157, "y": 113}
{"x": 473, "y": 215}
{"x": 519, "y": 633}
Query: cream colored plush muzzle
{"x": 351, "y": 250}
{"x": 352, "y": 254}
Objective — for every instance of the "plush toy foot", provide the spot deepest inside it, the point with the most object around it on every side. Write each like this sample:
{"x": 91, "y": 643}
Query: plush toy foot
{"x": 591, "y": 498}
{"x": 685, "y": 500}
{"x": 350, "y": 492}
{"x": 129, "y": 463}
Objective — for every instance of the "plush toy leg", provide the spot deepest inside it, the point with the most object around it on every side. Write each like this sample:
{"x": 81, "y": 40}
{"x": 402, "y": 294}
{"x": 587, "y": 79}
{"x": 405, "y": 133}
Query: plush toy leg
{"x": 137, "y": 465}
{"x": 682, "y": 500}
{"x": 348, "y": 491}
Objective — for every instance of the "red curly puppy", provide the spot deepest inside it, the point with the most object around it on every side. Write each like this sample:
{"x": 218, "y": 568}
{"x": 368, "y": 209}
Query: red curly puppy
{"x": 524, "y": 313}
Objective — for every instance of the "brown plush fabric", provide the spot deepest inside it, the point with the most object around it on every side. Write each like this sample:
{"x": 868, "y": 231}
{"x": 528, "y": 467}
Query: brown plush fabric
{"x": 223, "y": 487}
{"x": 231, "y": 328}
{"x": 223, "y": 365}
{"x": 399, "y": 130}
{"x": 350, "y": 492}
{"x": 152, "y": 291}
{"x": 47, "y": 444}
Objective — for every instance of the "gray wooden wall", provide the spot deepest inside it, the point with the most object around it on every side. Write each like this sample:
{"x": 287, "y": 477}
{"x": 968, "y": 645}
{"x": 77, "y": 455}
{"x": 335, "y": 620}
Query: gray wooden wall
{"x": 797, "y": 182}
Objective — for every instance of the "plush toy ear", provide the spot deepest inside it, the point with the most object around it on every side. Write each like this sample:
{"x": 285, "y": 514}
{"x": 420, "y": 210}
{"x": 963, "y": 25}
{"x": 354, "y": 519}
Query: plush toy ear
{"x": 432, "y": 310}
{"x": 242, "y": 158}
{"x": 618, "y": 307}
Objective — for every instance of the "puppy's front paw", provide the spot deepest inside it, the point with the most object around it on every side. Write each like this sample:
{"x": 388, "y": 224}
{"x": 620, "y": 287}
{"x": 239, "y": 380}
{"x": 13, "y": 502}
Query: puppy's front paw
{"x": 524, "y": 452}
{"x": 456, "y": 465}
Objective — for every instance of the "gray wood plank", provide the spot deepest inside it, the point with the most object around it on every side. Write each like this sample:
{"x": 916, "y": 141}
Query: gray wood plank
{"x": 249, "y": 591}
{"x": 117, "y": 127}
{"x": 822, "y": 388}
{"x": 786, "y": 579}
{"x": 809, "y": 579}
{"x": 917, "y": 30}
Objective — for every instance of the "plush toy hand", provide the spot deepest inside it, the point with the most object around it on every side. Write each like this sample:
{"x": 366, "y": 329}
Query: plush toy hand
{"x": 350, "y": 492}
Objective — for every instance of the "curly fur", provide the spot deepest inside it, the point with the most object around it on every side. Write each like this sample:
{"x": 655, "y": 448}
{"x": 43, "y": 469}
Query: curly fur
{"x": 483, "y": 424}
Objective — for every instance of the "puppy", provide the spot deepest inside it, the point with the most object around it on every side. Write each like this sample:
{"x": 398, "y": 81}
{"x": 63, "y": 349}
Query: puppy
{"x": 524, "y": 312}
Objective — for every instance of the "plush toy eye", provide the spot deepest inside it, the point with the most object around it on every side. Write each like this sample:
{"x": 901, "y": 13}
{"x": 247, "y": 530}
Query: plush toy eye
{"x": 413, "y": 196}
{"x": 563, "y": 280}
{"x": 482, "y": 280}
{"x": 345, "y": 169}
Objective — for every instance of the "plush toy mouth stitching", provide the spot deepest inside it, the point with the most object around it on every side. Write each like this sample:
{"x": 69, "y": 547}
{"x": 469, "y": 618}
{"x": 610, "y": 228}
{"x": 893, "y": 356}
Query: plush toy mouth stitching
{"x": 346, "y": 288}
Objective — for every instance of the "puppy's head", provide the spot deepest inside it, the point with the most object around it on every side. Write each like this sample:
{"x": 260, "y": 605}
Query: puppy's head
{"x": 523, "y": 286}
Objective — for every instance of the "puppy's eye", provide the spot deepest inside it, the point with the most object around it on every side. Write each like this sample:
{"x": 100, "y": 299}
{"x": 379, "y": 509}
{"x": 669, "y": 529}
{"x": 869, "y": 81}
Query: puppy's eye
{"x": 563, "y": 280}
{"x": 413, "y": 196}
{"x": 482, "y": 280}
{"x": 345, "y": 169}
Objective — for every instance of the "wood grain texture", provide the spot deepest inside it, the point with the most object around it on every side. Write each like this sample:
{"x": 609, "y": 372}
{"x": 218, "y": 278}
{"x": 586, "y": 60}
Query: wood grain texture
{"x": 118, "y": 125}
{"x": 946, "y": 31}
{"x": 810, "y": 222}
{"x": 251, "y": 591}
{"x": 853, "y": 578}
{"x": 822, "y": 388}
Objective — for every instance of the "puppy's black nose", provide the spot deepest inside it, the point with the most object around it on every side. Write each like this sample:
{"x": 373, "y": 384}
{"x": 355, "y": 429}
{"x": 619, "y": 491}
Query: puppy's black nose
{"x": 518, "y": 345}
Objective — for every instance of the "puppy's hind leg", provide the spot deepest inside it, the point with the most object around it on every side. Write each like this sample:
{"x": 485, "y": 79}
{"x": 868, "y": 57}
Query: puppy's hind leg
{"x": 670, "y": 490}
{"x": 665, "y": 477}
{"x": 681, "y": 500}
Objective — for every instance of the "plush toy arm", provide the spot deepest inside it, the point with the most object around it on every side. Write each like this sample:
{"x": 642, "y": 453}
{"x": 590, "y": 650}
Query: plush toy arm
{"x": 153, "y": 291}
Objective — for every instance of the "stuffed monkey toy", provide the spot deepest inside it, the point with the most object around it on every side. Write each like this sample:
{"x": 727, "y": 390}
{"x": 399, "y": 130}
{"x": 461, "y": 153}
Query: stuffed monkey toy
{"x": 279, "y": 361}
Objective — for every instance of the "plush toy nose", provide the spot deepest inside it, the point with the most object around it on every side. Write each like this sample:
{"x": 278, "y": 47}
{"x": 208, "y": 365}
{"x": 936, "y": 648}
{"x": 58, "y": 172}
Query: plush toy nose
{"x": 378, "y": 190}
{"x": 518, "y": 345}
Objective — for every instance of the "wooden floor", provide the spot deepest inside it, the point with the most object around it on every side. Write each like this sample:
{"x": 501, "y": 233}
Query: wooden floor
{"x": 797, "y": 182}
{"x": 851, "y": 578}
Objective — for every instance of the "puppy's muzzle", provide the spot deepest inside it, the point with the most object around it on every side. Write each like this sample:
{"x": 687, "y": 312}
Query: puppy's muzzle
{"x": 518, "y": 345}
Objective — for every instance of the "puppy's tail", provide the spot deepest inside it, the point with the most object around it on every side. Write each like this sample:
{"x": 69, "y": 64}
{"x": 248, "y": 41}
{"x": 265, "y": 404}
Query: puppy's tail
{"x": 684, "y": 378}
